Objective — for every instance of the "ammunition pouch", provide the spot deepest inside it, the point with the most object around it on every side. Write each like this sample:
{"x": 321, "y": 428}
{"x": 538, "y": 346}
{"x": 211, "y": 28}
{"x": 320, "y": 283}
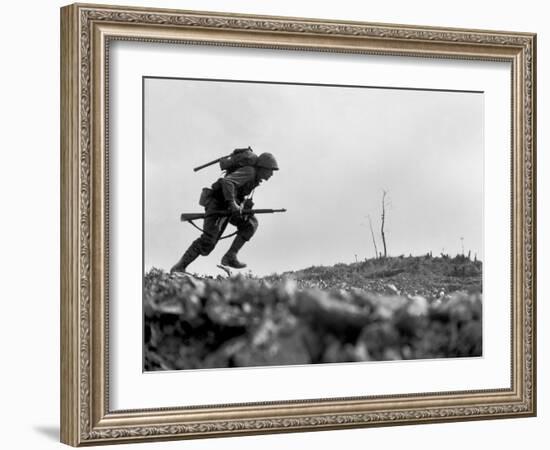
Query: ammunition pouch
{"x": 206, "y": 196}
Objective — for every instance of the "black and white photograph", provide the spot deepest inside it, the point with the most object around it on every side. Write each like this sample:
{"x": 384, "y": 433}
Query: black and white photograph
{"x": 293, "y": 224}
{"x": 277, "y": 219}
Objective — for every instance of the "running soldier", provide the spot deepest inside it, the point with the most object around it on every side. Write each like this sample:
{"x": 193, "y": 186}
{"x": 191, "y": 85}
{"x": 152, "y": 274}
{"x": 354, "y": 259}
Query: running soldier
{"x": 230, "y": 193}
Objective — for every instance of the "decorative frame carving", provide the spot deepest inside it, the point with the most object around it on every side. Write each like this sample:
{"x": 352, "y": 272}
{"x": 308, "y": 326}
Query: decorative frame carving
{"x": 86, "y": 31}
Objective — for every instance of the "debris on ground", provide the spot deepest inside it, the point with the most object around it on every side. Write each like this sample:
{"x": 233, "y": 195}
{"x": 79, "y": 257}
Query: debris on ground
{"x": 384, "y": 309}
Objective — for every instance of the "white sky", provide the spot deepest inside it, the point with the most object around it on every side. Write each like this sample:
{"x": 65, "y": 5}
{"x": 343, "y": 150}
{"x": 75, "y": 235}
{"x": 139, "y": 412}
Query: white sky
{"x": 338, "y": 148}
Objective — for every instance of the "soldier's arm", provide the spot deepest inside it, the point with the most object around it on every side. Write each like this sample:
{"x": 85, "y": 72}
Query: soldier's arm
{"x": 231, "y": 182}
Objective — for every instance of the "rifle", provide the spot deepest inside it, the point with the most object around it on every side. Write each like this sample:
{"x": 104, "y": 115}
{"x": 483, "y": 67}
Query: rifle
{"x": 215, "y": 161}
{"x": 188, "y": 217}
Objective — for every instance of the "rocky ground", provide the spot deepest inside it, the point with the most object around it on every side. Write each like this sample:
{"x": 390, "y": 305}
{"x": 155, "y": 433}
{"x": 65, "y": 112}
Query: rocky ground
{"x": 381, "y": 309}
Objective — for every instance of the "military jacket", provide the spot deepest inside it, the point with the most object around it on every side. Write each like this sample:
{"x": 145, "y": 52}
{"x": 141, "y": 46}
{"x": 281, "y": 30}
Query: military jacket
{"x": 236, "y": 185}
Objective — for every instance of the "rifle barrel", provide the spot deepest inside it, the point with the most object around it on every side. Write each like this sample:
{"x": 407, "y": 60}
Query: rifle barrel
{"x": 186, "y": 217}
{"x": 196, "y": 169}
{"x": 237, "y": 150}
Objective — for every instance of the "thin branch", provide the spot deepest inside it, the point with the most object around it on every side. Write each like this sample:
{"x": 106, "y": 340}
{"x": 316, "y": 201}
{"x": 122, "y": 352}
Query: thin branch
{"x": 373, "y": 240}
{"x": 383, "y": 221}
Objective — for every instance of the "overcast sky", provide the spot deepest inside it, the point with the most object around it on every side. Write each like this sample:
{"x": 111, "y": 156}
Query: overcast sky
{"x": 338, "y": 148}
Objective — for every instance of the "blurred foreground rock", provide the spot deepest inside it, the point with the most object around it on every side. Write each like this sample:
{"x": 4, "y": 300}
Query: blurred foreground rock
{"x": 192, "y": 323}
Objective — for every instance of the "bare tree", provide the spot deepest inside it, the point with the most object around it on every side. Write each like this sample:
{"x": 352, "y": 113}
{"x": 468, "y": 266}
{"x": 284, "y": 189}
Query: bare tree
{"x": 373, "y": 240}
{"x": 383, "y": 221}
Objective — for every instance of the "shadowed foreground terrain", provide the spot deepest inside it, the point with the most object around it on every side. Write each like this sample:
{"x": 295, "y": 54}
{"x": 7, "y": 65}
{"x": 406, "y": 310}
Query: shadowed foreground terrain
{"x": 380, "y": 309}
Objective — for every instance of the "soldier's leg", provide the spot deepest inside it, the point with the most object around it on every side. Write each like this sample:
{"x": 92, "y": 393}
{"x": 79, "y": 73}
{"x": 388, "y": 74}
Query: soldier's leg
{"x": 246, "y": 227}
{"x": 213, "y": 228}
{"x": 187, "y": 258}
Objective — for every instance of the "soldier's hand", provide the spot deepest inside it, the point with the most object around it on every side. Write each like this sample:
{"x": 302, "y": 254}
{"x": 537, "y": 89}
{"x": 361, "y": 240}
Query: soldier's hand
{"x": 248, "y": 204}
{"x": 235, "y": 208}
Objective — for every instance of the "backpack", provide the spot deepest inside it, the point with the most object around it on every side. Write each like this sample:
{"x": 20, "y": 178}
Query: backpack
{"x": 240, "y": 157}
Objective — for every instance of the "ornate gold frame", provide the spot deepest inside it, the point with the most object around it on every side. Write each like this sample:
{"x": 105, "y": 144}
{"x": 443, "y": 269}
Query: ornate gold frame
{"x": 86, "y": 31}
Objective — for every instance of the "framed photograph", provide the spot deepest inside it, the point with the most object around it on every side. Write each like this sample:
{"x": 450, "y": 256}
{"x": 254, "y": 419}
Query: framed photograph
{"x": 274, "y": 224}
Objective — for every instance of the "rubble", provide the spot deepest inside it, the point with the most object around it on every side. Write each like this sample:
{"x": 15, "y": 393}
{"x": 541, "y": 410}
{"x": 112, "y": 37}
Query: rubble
{"x": 192, "y": 323}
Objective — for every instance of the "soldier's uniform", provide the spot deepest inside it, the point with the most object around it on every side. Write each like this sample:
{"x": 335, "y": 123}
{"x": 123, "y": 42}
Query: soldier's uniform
{"x": 235, "y": 187}
{"x": 229, "y": 193}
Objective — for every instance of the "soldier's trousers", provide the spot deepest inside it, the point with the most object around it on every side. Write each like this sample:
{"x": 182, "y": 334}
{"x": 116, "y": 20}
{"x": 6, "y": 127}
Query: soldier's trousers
{"x": 215, "y": 226}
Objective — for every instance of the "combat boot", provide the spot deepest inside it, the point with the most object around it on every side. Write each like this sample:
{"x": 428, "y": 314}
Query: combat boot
{"x": 230, "y": 258}
{"x": 188, "y": 257}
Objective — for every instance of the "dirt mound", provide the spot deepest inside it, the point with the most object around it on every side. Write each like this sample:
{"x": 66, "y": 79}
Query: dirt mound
{"x": 413, "y": 275}
{"x": 194, "y": 323}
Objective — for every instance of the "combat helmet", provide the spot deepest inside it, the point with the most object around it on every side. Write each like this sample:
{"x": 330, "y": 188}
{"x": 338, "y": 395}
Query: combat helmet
{"x": 267, "y": 161}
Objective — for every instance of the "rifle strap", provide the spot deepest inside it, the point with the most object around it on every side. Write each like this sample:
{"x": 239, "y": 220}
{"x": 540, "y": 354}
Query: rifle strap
{"x": 196, "y": 226}
{"x": 228, "y": 235}
{"x": 202, "y": 231}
